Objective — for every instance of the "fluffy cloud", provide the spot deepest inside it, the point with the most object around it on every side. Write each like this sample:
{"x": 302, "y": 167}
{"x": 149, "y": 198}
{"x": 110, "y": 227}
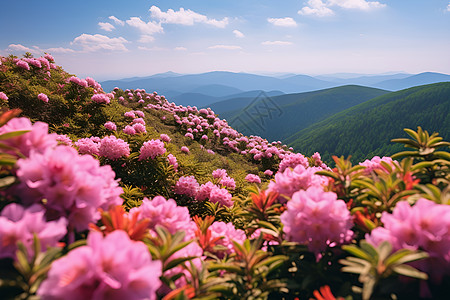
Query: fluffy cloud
{"x": 238, "y": 34}
{"x": 184, "y": 17}
{"x": 97, "y": 42}
{"x": 448, "y": 7}
{"x": 283, "y": 22}
{"x": 321, "y": 9}
{"x": 117, "y": 21}
{"x": 146, "y": 28}
{"x": 276, "y": 43}
{"x": 180, "y": 48}
{"x": 316, "y": 8}
{"x": 106, "y": 26}
{"x": 225, "y": 47}
{"x": 146, "y": 39}
{"x": 60, "y": 50}
{"x": 22, "y": 48}
{"x": 357, "y": 4}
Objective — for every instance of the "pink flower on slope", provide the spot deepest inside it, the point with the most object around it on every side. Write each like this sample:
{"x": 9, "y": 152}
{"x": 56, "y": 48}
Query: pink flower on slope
{"x": 204, "y": 191}
{"x": 19, "y": 224}
{"x": 228, "y": 182}
{"x": 165, "y": 138}
{"x": 219, "y": 173}
{"x": 317, "y": 219}
{"x": 23, "y": 65}
{"x": 292, "y": 160}
{"x": 151, "y": 149}
{"x": 74, "y": 186}
{"x": 88, "y": 145}
{"x": 375, "y": 164}
{"x": 164, "y": 213}
{"x": 110, "y": 126}
{"x": 229, "y": 234}
{"x": 139, "y": 128}
{"x": 37, "y": 139}
{"x": 113, "y": 148}
{"x": 186, "y": 185}
{"x": 101, "y": 98}
{"x": 63, "y": 139}
{"x": 43, "y": 97}
{"x": 426, "y": 226}
{"x": 173, "y": 161}
{"x": 252, "y": 178}
{"x": 3, "y": 96}
{"x": 222, "y": 196}
{"x": 185, "y": 149}
{"x": 112, "y": 267}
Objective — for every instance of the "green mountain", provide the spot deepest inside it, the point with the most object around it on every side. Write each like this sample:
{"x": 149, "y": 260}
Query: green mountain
{"x": 365, "y": 130}
{"x": 276, "y": 118}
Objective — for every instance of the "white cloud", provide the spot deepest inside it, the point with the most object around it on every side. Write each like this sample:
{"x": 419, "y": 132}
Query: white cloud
{"x": 238, "y": 34}
{"x": 225, "y": 47}
{"x": 146, "y": 39}
{"x": 283, "y": 22}
{"x": 276, "y": 43}
{"x": 106, "y": 26}
{"x": 60, "y": 50}
{"x": 22, "y": 48}
{"x": 448, "y": 7}
{"x": 316, "y": 8}
{"x": 180, "y": 49}
{"x": 151, "y": 49}
{"x": 146, "y": 28}
{"x": 97, "y": 42}
{"x": 117, "y": 21}
{"x": 184, "y": 17}
{"x": 357, "y": 4}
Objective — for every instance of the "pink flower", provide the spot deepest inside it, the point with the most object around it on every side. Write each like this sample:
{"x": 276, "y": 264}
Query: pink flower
{"x": 129, "y": 114}
{"x": 19, "y": 224}
{"x": 63, "y": 139}
{"x": 49, "y": 57}
{"x": 37, "y": 139}
{"x": 185, "y": 149}
{"x": 268, "y": 172}
{"x": 151, "y": 149}
{"x": 3, "y": 96}
{"x": 252, "y": 178}
{"x": 111, "y": 267}
{"x": 164, "y": 137}
{"x": 23, "y": 64}
{"x": 165, "y": 213}
{"x": 139, "y": 120}
{"x": 228, "y": 182}
{"x": 74, "y": 186}
{"x": 43, "y": 97}
{"x": 101, "y": 98}
{"x": 229, "y": 234}
{"x": 129, "y": 130}
{"x": 317, "y": 219}
{"x": 79, "y": 81}
{"x": 425, "y": 226}
{"x": 139, "y": 128}
{"x": 189, "y": 135}
{"x": 219, "y": 173}
{"x": 292, "y": 160}
{"x": 186, "y": 185}
{"x": 110, "y": 126}
{"x": 139, "y": 113}
{"x": 204, "y": 191}
{"x": 88, "y": 145}
{"x": 173, "y": 161}
{"x": 375, "y": 164}
{"x": 222, "y": 196}
{"x": 113, "y": 148}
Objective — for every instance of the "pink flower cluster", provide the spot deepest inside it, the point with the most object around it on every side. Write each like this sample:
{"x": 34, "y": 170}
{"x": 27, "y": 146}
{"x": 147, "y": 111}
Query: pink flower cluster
{"x": 113, "y": 148}
{"x": 173, "y": 161}
{"x": 292, "y": 180}
{"x": 111, "y": 267}
{"x": 43, "y": 97}
{"x": 165, "y": 138}
{"x": 186, "y": 185}
{"x": 375, "y": 164}
{"x": 152, "y": 149}
{"x": 252, "y": 178}
{"x": 3, "y": 96}
{"x": 101, "y": 98}
{"x": 110, "y": 126}
{"x": 317, "y": 219}
{"x": 74, "y": 186}
{"x": 229, "y": 234}
{"x": 425, "y": 226}
{"x": 88, "y": 145}
{"x": 20, "y": 224}
{"x": 37, "y": 139}
{"x": 63, "y": 139}
{"x": 165, "y": 213}
{"x": 292, "y": 160}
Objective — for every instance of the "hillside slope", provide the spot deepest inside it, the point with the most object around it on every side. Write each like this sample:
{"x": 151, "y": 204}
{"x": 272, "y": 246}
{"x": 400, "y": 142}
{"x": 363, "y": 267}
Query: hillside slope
{"x": 276, "y": 118}
{"x": 366, "y": 129}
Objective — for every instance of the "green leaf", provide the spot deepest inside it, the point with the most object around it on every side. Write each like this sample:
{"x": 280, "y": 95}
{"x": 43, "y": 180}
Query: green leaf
{"x": 7, "y": 181}
{"x": 177, "y": 261}
{"x": 354, "y": 250}
{"x": 227, "y": 267}
{"x": 12, "y": 134}
{"x": 409, "y": 271}
{"x": 443, "y": 155}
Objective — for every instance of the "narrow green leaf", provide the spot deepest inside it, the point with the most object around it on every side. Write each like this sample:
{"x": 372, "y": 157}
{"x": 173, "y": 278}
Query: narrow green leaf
{"x": 354, "y": 250}
{"x": 12, "y": 134}
{"x": 409, "y": 271}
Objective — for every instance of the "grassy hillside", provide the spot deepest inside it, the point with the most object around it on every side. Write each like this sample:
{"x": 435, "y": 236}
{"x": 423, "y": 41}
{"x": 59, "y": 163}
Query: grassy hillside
{"x": 366, "y": 129}
{"x": 276, "y": 118}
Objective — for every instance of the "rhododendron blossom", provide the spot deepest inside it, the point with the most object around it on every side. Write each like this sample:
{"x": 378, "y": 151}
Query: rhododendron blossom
{"x": 43, "y": 97}
{"x": 425, "y": 226}
{"x": 74, "y": 186}
{"x": 129, "y": 130}
{"x": 3, "y": 96}
{"x": 221, "y": 196}
{"x": 23, "y": 64}
{"x": 252, "y": 178}
{"x": 375, "y": 164}
{"x": 229, "y": 234}
{"x": 110, "y": 267}
{"x": 139, "y": 128}
{"x": 317, "y": 219}
{"x": 228, "y": 182}
{"x": 165, "y": 138}
{"x": 185, "y": 149}
{"x": 110, "y": 126}
{"x": 151, "y": 149}
{"x": 88, "y": 145}
{"x": 186, "y": 185}
{"x": 113, "y": 148}
{"x": 219, "y": 173}
{"x": 173, "y": 161}
{"x": 63, "y": 139}
{"x": 101, "y": 98}
{"x": 20, "y": 224}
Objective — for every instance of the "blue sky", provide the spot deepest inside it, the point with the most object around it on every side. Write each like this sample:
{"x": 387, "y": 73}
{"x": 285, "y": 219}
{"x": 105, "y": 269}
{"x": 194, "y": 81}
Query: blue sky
{"x": 115, "y": 39}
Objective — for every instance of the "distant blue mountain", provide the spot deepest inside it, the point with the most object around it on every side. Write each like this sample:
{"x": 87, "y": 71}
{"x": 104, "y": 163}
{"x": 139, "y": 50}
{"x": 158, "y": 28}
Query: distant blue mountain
{"x": 367, "y": 80}
{"x": 411, "y": 81}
